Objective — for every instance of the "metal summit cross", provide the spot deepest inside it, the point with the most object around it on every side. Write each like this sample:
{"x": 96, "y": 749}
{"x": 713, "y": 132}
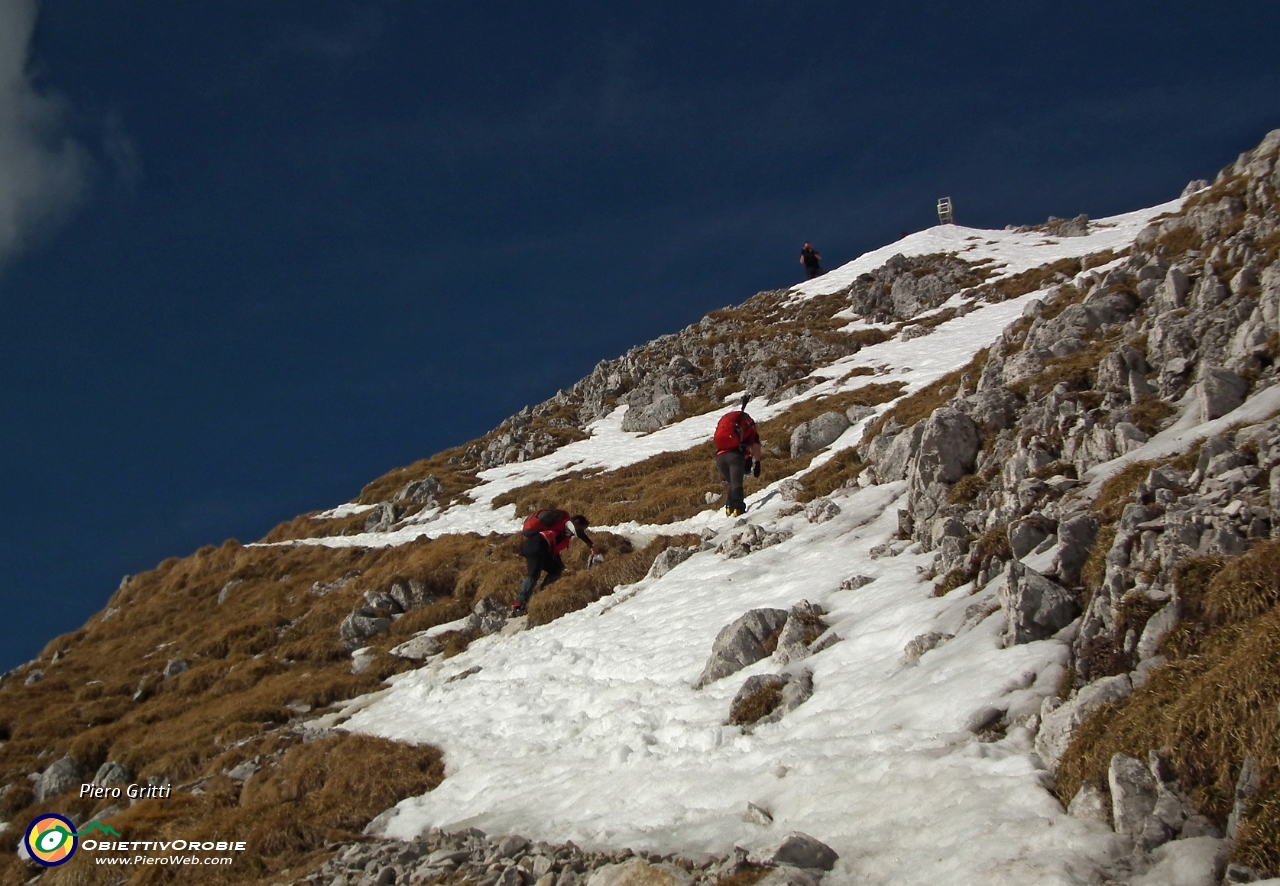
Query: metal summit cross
{"x": 944, "y": 212}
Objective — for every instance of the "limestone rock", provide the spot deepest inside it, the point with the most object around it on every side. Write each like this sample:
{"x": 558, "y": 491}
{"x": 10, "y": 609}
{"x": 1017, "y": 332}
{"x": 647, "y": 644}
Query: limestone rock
{"x": 741, "y": 643}
{"x": 803, "y": 851}
{"x": 1218, "y": 392}
{"x": 818, "y": 433}
{"x": 820, "y": 510}
{"x": 1056, "y": 725}
{"x": 491, "y": 616}
{"x": 359, "y": 626}
{"x": 658, "y": 414}
{"x": 420, "y": 647}
{"x": 669, "y": 559}
{"x": 1133, "y": 794}
{"x": 922, "y": 644}
{"x": 59, "y": 778}
{"x": 1035, "y": 608}
{"x": 110, "y": 774}
{"x": 1090, "y": 804}
{"x": 749, "y": 540}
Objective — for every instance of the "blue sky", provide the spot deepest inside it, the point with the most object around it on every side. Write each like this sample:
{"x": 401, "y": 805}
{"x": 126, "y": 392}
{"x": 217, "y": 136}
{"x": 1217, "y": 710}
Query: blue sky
{"x": 257, "y": 254}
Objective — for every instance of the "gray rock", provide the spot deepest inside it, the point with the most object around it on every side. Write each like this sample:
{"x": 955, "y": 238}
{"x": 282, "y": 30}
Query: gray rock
{"x": 1133, "y": 794}
{"x": 802, "y": 618}
{"x": 244, "y": 770}
{"x": 1025, "y": 535}
{"x": 1057, "y": 724}
{"x": 1090, "y": 804}
{"x": 657, "y": 415}
{"x": 1240, "y": 873}
{"x": 669, "y": 559}
{"x": 857, "y": 413}
{"x": 419, "y": 648}
{"x": 853, "y": 582}
{"x": 175, "y": 667}
{"x": 749, "y": 540}
{"x": 817, "y": 434}
{"x": 741, "y": 643}
{"x": 922, "y": 644}
{"x": 362, "y": 660}
{"x": 421, "y": 492}
{"x": 803, "y": 851}
{"x": 490, "y": 615}
{"x": 59, "y": 778}
{"x": 110, "y": 774}
{"x": 382, "y": 600}
{"x": 757, "y": 815}
{"x": 752, "y": 687}
{"x": 1156, "y": 630}
{"x": 1035, "y": 608}
{"x": 381, "y": 518}
{"x": 1247, "y": 787}
{"x": 359, "y": 626}
{"x": 1218, "y": 392}
{"x": 512, "y": 845}
{"x": 227, "y": 588}
{"x": 891, "y": 456}
{"x": 820, "y": 510}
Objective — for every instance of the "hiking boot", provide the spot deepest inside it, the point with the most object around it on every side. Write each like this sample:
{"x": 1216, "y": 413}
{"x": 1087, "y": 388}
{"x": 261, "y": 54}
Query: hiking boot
{"x": 732, "y": 512}
{"x": 518, "y": 609}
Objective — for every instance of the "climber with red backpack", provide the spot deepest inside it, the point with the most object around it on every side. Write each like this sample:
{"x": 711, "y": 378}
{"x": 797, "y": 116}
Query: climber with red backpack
{"x": 546, "y": 534}
{"x": 737, "y": 452}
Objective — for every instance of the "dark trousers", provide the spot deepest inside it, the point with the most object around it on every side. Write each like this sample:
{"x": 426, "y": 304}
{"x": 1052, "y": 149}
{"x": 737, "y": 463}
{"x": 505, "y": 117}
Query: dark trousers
{"x": 538, "y": 559}
{"x": 733, "y": 467}
{"x": 812, "y": 271}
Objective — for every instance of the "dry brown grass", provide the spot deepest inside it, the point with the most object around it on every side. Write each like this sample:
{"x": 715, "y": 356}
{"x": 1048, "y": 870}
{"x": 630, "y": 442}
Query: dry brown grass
{"x": 1029, "y": 281}
{"x": 1213, "y": 704}
{"x": 760, "y": 703}
{"x": 307, "y": 526}
{"x": 673, "y": 486}
{"x": 623, "y": 565}
{"x": 1149, "y": 414}
{"x": 287, "y": 813}
{"x": 837, "y": 472}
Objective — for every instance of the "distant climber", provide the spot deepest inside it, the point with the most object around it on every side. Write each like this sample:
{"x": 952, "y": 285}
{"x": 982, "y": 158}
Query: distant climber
{"x": 546, "y": 534}
{"x": 809, "y": 257}
{"x": 737, "y": 452}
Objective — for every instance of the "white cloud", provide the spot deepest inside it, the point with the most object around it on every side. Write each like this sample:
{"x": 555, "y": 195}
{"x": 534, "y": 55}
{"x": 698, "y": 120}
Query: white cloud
{"x": 42, "y": 168}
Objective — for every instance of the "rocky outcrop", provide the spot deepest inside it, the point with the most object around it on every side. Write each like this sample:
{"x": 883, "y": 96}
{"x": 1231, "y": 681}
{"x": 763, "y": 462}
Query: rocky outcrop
{"x": 1034, "y": 607}
{"x": 747, "y": 640}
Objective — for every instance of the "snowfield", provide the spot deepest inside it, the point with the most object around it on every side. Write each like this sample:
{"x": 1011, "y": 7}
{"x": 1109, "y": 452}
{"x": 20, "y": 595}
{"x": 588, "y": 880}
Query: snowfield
{"x": 589, "y": 729}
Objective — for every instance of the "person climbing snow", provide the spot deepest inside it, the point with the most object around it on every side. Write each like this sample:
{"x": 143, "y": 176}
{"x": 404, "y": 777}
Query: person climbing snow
{"x": 737, "y": 452}
{"x": 546, "y": 534}
{"x": 809, "y": 257}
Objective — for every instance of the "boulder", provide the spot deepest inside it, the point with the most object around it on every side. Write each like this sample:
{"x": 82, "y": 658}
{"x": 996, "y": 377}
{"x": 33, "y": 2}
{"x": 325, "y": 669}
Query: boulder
{"x": 59, "y": 778}
{"x": 381, "y": 518}
{"x": 821, "y": 510}
{"x": 175, "y": 667}
{"x": 803, "y": 851}
{"x": 948, "y": 446}
{"x": 1218, "y": 392}
{"x": 110, "y": 774}
{"x": 1035, "y": 608}
{"x": 360, "y": 625}
{"x": 669, "y": 559}
{"x": 1025, "y": 535}
{"x": 922, "y": 644}
{"x": 1057, "y": 724}
{"x": 490, "y": 615}
{"x": 1157, "y": 628}
{"x": 1133, "y": 794}
{"x": 420, "y": 647}
{"x": 751, "y": 539}
{"x": 741, "y": 643}
{"x": 1090, "y": 804}
{"x": 658, "y": 414}
{"x": 817, "y": 434}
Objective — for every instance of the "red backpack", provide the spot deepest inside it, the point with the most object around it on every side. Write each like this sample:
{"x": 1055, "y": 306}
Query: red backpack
{"x": 551, "y": 525}
{"x": 735, "y": 429}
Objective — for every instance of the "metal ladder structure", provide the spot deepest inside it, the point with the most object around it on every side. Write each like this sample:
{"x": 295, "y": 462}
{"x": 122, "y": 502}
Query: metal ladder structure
{"x": 944, "y": 211}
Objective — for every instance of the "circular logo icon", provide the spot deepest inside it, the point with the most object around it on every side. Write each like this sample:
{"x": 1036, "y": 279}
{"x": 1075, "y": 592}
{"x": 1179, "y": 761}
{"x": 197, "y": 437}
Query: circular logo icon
{"x": 51, "y": 840}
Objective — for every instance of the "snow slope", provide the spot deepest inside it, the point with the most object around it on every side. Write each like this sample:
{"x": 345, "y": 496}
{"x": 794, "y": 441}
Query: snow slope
{"x": 589, "y": 728}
